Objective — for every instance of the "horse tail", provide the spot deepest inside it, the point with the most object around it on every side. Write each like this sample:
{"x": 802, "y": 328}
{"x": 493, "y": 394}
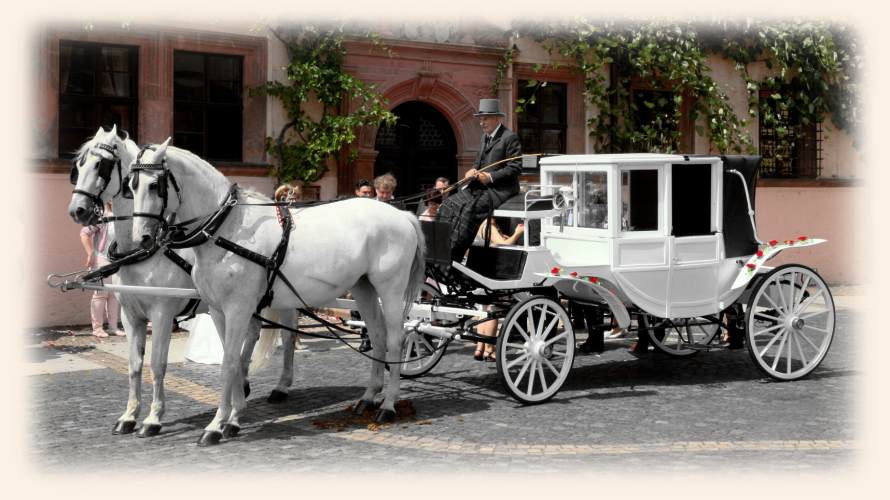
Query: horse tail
{"x": 418, "y": 266}
{"x": 265, "y": 346}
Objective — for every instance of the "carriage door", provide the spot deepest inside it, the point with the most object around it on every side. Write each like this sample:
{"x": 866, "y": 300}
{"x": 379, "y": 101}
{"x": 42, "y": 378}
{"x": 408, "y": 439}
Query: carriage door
{"x": 640, "y": 253}
{"x": 694, "y": 239}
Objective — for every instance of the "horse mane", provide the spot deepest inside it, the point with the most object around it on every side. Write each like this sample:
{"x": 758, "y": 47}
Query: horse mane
{"x": 82, "y": 150}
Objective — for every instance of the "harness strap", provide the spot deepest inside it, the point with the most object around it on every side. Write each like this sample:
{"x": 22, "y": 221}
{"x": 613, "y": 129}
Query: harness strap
{"x": 179, "y": 261}
{"x": 205, "y": 231}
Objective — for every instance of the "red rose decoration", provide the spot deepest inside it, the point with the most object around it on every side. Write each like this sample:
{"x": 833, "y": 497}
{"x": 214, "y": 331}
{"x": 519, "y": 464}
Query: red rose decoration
{"x": 573, "y": 274}
{"x": 752, "y": 266}
{"x": 802, "y": 238}
{"x": 789, "y": 242}
{"x": 760, "y": 253}
{"x": 593, "y": 279}
{"x": 555, "y": 270}
{"x": 773, "y": 243}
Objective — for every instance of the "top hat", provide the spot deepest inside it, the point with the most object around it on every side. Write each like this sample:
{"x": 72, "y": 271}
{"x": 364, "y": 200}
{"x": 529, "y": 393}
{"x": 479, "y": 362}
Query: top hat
{"x": 489, "y": 107}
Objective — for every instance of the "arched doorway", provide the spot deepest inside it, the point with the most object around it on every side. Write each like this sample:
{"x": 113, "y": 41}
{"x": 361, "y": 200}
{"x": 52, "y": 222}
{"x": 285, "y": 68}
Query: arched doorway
{"x": 419, "y": 148}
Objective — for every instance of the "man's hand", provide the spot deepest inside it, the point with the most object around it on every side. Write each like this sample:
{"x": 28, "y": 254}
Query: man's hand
{"x": 470, "y": 173}
{"x": 483, "y": 177}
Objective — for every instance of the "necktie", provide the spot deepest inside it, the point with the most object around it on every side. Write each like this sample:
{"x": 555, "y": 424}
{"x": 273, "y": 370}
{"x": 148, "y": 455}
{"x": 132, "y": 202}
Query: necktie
{"x": 487, "y": 140}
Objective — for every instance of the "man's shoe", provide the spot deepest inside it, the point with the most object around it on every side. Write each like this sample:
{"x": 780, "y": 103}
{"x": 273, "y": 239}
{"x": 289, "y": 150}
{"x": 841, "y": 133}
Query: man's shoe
{"x": 587, "y": 348}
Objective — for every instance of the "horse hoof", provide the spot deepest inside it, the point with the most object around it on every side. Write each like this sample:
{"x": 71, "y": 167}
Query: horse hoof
{"x": 246, "y": 388}
{"x": 276, "y": 397}
{"x": 209, "y": 438}
{"x": 124, "y": 427}
{"x": 363, "y": 406}
{"x": 384, "y": 416}
{"x": 149, "y": 430}
{"x": 230, "y": 431}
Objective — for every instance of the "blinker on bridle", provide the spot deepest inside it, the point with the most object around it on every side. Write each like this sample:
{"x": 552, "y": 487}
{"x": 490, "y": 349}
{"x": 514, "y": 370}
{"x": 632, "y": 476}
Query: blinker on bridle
{"x": 105, "y": 167}
{"x": 165, "y": 177}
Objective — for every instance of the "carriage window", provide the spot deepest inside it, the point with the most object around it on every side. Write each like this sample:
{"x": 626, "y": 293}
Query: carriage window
{"x": 639, "y": 200}
{"x": 207, "y": 108}
{"x": 563, "y": 179}
{"x": 691, "y": 200}
{"x": 592, "y": 200}
{"x": 97, "y": 86}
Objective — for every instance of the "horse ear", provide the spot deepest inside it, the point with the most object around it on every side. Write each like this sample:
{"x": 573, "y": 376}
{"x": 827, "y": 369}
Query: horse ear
{"x": 162, "y": 149}
{"x": 113, "y": 130}
{"x": 100, "y": 132}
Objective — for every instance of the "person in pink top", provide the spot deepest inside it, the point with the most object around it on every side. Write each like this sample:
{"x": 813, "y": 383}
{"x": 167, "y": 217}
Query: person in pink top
{"x": 104, "y": 305}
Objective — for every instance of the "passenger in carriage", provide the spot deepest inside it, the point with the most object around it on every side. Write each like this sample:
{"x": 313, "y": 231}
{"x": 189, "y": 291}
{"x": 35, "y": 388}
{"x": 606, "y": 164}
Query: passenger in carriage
{"x": 487, "y": 190}
{"x": 441, "y": 184}
{"x": 432, "y": 200}
{"x": 490, "y": 328}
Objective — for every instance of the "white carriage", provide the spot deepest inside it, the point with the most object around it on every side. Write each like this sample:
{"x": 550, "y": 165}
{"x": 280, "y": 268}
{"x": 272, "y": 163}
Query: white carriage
{"x": 665, "y": 244}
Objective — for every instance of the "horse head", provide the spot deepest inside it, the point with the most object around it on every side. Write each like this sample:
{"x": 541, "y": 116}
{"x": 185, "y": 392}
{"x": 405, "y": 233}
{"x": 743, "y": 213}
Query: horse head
{"x": 96, "y": 175}
{"x": 149, "y": 182}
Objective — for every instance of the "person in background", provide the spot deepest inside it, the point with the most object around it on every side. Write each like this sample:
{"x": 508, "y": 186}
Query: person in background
{"x": 104, "y": 305}
{"x": 385, "y": 186}
{"x": 363, "y": 189}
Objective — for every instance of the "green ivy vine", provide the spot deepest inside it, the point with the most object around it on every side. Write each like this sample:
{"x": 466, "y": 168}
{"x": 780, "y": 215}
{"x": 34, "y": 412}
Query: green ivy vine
{"x": 812, "y": 75}
{"x": 315, "y": 72}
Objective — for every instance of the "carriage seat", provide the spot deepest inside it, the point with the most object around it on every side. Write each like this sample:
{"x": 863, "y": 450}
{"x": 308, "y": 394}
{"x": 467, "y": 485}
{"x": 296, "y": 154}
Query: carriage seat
{"x": 497, "y": 263}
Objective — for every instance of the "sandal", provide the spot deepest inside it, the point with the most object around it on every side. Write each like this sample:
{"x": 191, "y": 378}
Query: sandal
{"x": 478, "y": 355}
{"x": 489, "y": 355}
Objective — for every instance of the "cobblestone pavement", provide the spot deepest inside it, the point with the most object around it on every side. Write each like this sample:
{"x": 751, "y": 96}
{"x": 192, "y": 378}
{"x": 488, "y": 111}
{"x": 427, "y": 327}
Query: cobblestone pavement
{"x": 615, "y": 413}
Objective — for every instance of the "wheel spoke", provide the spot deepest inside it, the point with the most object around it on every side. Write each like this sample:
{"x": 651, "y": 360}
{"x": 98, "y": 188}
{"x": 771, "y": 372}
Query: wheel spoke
{"x": 766, "y": 316}
{"x": 771, "y": 342}
{"x": 541, "y": 376}
{"x": 809, "y": 301}
{"x": 810, "y": 315}
{"x": 549, "y": 327}
{"x": 779, "y": 311}
{"x": 516, "y": 361}
{"x": 782, "y": 295}
{"x": 557, "y": 354}
{"x": 763, "y": 332}
{"x": 791, "y": 291}
{"x": 529, "y": 325}
{"x": 531, "y": 377}
{"x": 515, "y": 346}
{"x": 811, "y": 327}
{"x": 808, "y": 341}
{"x": 550, "y": 365}
{"x": 541, "y": 319}
{"x": 426, "y": 344}
{"x": 558, "y": 337}
{"x": 779, "y": 352}
{"x": 803, "y": 291}
{"x": 803, "y": 357}
{"x": 523, "y": 370}
{"x": 521, "y": 331}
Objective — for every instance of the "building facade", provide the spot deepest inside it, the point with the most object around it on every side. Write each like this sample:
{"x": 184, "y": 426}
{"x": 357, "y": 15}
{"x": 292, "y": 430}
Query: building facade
{"x": 190, "y": 83}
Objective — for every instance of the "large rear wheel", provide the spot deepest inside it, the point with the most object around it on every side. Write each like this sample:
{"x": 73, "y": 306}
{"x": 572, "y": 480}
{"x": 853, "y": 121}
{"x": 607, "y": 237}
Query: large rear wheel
{"x": 790, "y": 322}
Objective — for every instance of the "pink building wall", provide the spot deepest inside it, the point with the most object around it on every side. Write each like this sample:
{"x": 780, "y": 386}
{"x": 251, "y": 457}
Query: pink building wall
{"x": 823, "y": 212}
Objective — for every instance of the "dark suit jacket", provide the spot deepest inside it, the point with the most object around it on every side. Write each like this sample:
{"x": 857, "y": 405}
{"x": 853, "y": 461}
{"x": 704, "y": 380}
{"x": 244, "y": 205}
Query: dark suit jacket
{"x": 504, "y": 177}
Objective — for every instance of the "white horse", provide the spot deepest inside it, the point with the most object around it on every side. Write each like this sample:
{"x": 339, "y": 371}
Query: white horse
{"x": 361, "y": 245}
{"x": 100, "y": 165}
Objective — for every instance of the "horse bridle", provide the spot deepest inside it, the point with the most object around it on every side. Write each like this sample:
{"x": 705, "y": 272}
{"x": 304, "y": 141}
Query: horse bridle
{"x": 105, "y": 168}
{"x": 165, "y": 177}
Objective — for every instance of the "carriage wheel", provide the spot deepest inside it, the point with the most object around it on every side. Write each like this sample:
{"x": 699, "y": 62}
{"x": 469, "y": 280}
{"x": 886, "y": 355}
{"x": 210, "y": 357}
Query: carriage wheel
{"x": 426, "y": 350}
{"x": 675, "y": 338}
{"x": 790, "y": 322}
{"x": 535, "y": 349}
